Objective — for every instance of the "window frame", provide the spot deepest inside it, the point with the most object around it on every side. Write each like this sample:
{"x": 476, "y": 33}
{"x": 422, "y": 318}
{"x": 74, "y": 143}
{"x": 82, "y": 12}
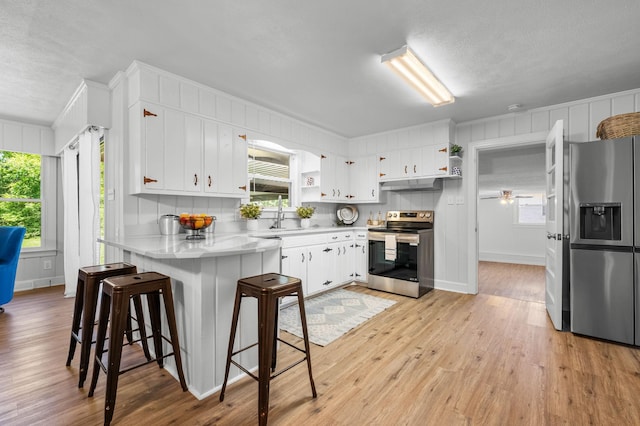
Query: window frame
{"x": 516, "y": 212}
{"x": 293, "y": 172}
{"x": 49, "y": 178}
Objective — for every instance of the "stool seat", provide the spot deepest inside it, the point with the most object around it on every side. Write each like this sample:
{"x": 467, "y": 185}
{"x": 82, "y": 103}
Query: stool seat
{"x": 267, "y": 288}
{"x": 89, "y": 278}
{"x": 116, "y": 292}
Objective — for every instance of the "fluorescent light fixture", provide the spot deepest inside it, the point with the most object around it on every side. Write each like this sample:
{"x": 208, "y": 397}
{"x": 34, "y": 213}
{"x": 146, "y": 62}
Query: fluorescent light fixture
{"x": 405, "y": 63}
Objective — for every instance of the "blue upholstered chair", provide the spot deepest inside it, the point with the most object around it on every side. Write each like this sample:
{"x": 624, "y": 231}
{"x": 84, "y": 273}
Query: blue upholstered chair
{"x": 10, "y": 244}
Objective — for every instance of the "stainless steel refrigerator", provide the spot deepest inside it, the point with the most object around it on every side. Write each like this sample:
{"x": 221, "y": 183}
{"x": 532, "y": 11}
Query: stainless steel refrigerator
{"x": 604, "y": 259}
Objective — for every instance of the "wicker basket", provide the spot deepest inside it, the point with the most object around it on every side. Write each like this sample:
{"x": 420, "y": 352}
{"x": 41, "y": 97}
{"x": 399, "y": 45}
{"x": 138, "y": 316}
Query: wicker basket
{"x": 619, "y": 126}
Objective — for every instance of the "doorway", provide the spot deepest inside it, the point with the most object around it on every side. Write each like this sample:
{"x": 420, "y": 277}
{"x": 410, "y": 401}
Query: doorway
{"x": 474, "y": 150}
{"x": 511, "y": 222}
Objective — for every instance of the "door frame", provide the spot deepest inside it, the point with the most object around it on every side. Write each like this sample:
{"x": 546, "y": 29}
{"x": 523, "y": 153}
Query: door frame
{"x": 471, "y": 176}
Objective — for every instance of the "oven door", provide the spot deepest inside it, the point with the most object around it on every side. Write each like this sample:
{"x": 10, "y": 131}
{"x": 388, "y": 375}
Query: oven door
{"x": 405, "y": 265}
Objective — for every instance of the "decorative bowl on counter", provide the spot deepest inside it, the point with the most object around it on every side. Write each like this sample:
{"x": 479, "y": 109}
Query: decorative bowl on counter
{"x": 196, "y": 224}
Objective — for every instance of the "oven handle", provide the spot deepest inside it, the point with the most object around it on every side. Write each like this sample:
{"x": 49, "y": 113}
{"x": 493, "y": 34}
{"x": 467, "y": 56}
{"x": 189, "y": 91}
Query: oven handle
{"x": 411, "y": 239}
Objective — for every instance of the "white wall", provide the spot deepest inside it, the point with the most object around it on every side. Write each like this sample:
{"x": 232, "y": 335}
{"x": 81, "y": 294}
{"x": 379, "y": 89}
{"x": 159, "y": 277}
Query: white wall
{"x": 502, "y": 239}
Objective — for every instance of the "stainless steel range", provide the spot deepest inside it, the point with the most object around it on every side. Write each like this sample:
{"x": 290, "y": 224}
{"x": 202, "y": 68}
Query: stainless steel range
{"x": 401, "y": 255}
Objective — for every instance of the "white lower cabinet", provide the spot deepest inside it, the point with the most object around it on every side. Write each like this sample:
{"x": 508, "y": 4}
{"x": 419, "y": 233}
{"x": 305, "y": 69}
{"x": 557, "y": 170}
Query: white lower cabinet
{"x": 361, "y": 257}
{"x": 321, "y": 261}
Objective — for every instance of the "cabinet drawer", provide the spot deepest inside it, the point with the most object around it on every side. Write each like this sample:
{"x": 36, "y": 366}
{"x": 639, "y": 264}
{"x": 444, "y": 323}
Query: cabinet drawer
{"x": 336, "y": 237}
{"x": 303, "y": 240}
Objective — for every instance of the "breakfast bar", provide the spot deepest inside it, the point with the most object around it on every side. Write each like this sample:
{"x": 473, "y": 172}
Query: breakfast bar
{"x": 204, "y": 274}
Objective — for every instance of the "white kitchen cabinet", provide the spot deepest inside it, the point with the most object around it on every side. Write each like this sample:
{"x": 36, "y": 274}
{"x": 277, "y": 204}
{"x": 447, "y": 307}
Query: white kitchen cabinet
{"x": 173, "y": 152}
{"x": 334, "y": 182}
{"x": 321, "y": 261}
{"x": 232, "y": 164}
{"x": 415, "y": 163}
{"x": 302, "y": 258}
{"x": 360, "y": 256}
{"x": 165, "y": 150}
{"x": 441, "y": 159}
{"x": 363, "y": 180}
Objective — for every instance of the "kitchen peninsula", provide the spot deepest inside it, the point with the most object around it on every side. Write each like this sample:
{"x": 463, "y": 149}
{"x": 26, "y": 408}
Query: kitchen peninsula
{"x": 204, "y": 274}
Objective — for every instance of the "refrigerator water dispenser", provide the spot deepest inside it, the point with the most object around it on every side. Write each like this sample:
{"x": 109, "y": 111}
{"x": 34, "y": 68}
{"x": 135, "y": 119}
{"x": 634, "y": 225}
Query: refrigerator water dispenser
{"x": 600, "y": 221}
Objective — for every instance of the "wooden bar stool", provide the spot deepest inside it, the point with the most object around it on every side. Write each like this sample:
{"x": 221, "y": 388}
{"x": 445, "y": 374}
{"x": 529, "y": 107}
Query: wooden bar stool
{"x": 116, "y": 292}
{"x": 267, "y": 288}
{"x": 89, "y": 279}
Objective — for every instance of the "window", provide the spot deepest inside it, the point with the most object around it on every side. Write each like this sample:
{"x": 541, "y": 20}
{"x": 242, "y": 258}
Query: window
{"x": 531, "y": 211}
{"x": 269, "y": 174}
{"x": 20, "y": 200}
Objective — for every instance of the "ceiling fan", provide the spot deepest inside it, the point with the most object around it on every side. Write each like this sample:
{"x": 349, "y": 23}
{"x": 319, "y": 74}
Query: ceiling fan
{"x": 506, "y": 196}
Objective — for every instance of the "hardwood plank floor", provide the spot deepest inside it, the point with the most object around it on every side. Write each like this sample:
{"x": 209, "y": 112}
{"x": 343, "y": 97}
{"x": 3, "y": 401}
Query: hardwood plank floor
{"x": 524, "y": 282}
{"x": 445, "y": 358}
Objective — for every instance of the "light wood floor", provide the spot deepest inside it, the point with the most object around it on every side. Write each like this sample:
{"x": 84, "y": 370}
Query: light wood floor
{"x": 443, "y": 359}
{"x": 524, "y": 282}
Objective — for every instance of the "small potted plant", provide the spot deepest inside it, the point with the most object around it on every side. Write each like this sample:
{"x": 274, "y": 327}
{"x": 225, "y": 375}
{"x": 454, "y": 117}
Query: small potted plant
{"x": 456, "y": 150}
{"x": 251, "y": 212}
{"x": 305, "y": 213}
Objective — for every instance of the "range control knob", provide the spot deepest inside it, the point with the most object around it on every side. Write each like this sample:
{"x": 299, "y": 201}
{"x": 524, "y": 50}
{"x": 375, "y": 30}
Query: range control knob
{"x": 395, "y": 215}
{"x": 422, "y": 215}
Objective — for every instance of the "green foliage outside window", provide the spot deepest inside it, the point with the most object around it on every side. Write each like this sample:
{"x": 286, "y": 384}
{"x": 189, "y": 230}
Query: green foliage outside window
{"x": 20, "y": 203}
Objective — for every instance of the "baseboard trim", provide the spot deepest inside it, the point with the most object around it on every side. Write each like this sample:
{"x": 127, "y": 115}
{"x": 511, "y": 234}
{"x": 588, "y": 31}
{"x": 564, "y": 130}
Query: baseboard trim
{"x": 521, "y": 259}
{"x": 38, "y": 283}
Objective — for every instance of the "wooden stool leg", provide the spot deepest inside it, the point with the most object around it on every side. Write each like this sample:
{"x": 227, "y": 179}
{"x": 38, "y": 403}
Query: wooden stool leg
{"x": 91, "y": 288}
{"x": 303, "y": 319}
{"x": 153, "y": 301}
{"x": 265, "y": 348}
{"x": 232, "y": 338}
{"x": 274, "y": 353}
{"x": 75, "y": 323}
{"x": 119, "y": 311}
{"x": 105, "y": 307}
{"x": 173, "y": 332}
{"x": 137, "y": 305}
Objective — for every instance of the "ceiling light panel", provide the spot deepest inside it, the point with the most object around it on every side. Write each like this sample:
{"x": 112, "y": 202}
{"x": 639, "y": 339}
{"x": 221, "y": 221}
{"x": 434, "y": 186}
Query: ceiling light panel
{"x": 407, "y": 65}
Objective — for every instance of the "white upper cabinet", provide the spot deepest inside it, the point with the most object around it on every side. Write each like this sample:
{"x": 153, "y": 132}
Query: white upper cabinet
{"x": 173, "y": 152}
{"x": 363, "y": 178}
{"x": 333, "y": 178}
{"x": 414, "y": 163}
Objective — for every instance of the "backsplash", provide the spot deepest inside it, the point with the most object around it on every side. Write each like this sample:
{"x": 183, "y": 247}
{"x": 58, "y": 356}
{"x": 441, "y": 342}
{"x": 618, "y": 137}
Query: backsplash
{"x": 144, "y": 210}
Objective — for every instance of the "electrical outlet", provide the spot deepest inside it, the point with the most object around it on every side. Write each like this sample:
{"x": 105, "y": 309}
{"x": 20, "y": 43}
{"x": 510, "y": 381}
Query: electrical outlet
{"x": 459, "y": 200}
{"x": 46, "y": 264}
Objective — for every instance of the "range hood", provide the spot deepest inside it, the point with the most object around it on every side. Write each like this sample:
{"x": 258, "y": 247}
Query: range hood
{"x": 423, "y": 184}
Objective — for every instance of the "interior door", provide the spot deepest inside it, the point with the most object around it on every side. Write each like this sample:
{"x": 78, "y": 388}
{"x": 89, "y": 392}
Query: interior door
{"x": 554, "y": 223}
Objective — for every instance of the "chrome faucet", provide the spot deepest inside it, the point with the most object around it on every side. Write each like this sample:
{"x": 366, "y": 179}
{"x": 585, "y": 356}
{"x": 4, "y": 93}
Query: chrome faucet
{"x": 278, "y": 223}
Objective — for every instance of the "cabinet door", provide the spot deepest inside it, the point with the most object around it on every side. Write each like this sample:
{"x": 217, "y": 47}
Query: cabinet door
{"x": 193, "y": 153}
{"x": 389, "y": 166}
{"x": 174, "y": 151}
{"x": 361, "y": 260}
{"x": 211, "y": 156}
{"x": 232, "y": 161}
{"x": 361, "y": 180}
{"x": 330, "y": 275}
{"x": 239, "y": 159}
{"x": 151, "y": 144}
{"x": 327, "y": 178}
{"x": 341, "y": 183}
{"x": 315, "y": 269}
{"x": 410, "y": 163}
{"x": 346, "y": 262}
{"x": 294, "y": 264}
{"x": 441, "y": 159}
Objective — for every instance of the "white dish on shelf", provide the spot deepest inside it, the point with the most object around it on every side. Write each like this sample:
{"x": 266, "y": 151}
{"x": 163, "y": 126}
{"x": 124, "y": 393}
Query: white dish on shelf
{"x": 348, "y": 214}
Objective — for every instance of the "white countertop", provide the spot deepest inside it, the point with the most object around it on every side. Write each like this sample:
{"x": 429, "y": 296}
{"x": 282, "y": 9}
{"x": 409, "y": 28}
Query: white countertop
{"x": 178, "y": 247}
{"x": 214, "y": 245}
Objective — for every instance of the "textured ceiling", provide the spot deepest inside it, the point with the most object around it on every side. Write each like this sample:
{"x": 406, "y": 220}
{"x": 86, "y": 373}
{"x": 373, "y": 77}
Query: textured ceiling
{"x": 320, "y": 61}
